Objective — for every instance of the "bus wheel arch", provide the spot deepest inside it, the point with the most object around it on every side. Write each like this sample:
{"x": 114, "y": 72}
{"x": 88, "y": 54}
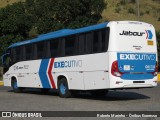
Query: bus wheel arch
{"x": 63, "y": 87}
{"x": 13, "y": 79}
{"x": 14, "y": 85}
{"x": 62, "y": 77}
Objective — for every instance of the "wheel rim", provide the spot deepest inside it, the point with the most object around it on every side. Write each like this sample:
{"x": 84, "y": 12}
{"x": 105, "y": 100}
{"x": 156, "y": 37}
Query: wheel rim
{"x": 63, "y": 88}
{"x": 15, "y": 85}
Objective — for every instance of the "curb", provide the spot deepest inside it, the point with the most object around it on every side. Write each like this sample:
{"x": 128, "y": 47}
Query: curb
{"x": 158, "y": 80}
{"x": 1, "y": 83}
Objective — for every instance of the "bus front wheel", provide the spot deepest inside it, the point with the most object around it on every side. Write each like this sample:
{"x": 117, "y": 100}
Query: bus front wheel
{"x": 15, "y": 87}
{"x": 64, "y": 91}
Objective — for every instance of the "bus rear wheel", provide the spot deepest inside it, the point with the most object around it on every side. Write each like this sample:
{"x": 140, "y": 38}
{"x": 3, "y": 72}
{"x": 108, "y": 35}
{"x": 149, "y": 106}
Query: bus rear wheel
{"x": 15, "y": 87}
{"x": 64, "y": 91}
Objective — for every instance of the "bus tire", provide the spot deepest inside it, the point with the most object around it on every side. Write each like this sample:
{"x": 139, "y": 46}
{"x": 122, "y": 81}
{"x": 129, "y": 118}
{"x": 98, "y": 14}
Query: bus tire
{"x": 99, "y": 93}
{"x": 15, "y": 87}
{"x": 63, "y": 89}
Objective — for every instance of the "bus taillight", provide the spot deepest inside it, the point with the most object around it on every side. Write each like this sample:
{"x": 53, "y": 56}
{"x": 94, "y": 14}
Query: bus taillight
{"x": 156, "y": 70}
{"x": 114, "y": 70}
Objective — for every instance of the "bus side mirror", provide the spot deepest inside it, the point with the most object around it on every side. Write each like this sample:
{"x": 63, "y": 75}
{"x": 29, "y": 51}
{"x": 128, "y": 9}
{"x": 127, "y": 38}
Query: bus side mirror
{"x": 5, "y": 60}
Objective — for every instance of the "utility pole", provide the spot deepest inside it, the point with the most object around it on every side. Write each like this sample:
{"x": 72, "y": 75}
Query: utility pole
{"x": 138, "y": 14}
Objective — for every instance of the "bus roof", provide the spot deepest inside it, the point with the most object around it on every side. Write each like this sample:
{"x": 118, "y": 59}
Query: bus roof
{"x": 60, "y": 33}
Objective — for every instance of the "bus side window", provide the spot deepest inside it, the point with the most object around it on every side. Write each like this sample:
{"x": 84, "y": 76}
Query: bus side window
{"x": 70, "y": 45}
{"x": 13, "y": 56}
{"x": 105, "y": 38}
{"x": 81, "y": 47}
{"x": 97, "y": 45}
{"x": 18, "y": 54}
{"x": 89, "y": 43}
{"x": 22, "y": 53}
{"x": 100, "y": 40}
{"x": 28, "y": 52}
{"x": 41, "y": 50}
{"x": 61, "y": 47}
{"x": 53, "y": 48}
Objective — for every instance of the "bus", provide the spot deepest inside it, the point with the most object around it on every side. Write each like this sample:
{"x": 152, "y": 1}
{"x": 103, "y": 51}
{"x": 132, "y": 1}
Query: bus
{"x": 97, "y": 58}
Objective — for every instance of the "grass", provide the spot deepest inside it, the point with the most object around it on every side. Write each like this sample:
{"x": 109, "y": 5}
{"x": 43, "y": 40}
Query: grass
{"x": 4, "y": 3}
{"x": 149, "y": 11}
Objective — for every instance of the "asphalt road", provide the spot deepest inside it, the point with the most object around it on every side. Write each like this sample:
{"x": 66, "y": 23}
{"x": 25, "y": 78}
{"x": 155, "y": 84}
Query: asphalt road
{"x": 147, "y": 99}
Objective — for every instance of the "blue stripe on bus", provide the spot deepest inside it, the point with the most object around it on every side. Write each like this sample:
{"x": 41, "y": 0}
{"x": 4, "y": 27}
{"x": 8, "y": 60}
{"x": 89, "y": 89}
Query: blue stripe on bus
{"x": 43, "y": 73}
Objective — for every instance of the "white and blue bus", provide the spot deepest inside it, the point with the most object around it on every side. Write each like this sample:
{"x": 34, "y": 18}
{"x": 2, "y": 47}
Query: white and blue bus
{"x": 98, "y": 58}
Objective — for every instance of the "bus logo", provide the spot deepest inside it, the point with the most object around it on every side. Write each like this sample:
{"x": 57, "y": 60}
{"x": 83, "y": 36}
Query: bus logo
{"x": 149, "y": 34}
{"x": 129, "y": 33}
{"x": 68, "y": 64}
{"x": 149, "y": 37}
{"x": 137, "y": 56}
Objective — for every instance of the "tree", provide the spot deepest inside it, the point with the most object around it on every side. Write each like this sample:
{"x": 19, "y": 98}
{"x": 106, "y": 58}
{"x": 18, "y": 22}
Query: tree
{"x": 85, "y": 12}
{"x": 52, "y": 15}
{"x": 20, "y": 19}
{"x": 15, "y": 24}
{"x": 8, "y": 40}
{"x": 14, "y": 20}
{"x": 158, "y": 40}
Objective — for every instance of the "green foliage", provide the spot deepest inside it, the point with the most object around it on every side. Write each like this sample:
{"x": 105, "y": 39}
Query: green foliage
{"x": 156, "y": 1}
{"x": 117, "y": 9}
{"x": 47, "y": 24}
{"x": 1, "y": 73}
{"x": 158, "y": 41}
{"x": 59, "y": 14}
{"x": 147, "y": 12}
{"x": 141, "y": 13}
{"x": 14, "y": 20}
{"x": 23, "y": 20}
{"x": 131, "y": 11}
{"x": 123, "y": 2}
{"x": 158, "y": 35}
{"x": 7, "y": 40}
{"x": 15, "y": 24}
{"x": 133, "y": 1}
